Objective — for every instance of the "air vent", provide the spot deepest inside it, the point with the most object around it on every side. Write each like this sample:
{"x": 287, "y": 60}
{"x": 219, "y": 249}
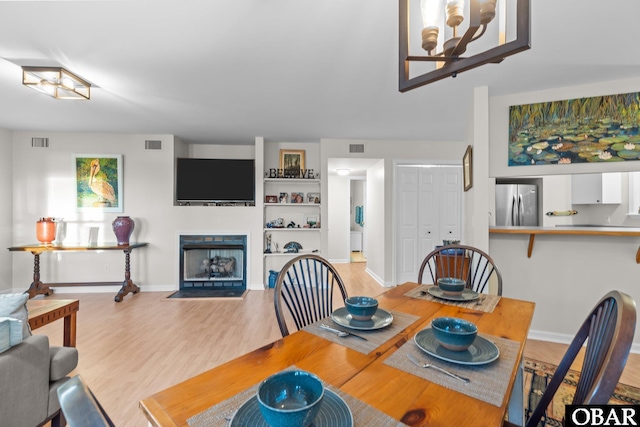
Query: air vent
{"x": 151, "y": 144}
{"x": 356, "y": 148}
{"x": 40, "y": 142}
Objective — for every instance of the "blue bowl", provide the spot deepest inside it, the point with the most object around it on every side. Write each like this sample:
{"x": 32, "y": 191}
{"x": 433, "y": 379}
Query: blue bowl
{"x": 453, "y": 333}
{"x": 451, "y": 285}
{"x": 361, "y": 308}
{"x": 290, "y": 398}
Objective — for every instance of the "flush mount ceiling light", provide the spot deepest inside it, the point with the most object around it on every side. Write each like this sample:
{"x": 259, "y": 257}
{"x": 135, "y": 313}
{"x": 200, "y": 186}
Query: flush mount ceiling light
{"x": 343, "y": 172}
{"x": 56, "y": 82}
{"x": 497, "y": 29}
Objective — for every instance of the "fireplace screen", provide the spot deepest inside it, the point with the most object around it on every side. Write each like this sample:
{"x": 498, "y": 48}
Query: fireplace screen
{"x": 212, "y": 261}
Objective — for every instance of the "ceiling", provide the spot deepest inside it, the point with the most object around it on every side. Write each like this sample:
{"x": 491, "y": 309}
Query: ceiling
{"x": 226, "y": 71}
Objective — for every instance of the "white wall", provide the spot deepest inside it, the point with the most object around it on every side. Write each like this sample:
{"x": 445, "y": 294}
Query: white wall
{"x": 6, "y": 216}
{"x": 44, "y": 186}
{"x": 476, "y": 204}
{"x": 377, "y": 223}
{"x": 339, "y": 192}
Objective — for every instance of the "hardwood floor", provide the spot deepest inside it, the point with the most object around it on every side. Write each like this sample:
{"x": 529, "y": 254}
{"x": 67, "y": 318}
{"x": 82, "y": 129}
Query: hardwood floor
{"x": 132, "y": 349}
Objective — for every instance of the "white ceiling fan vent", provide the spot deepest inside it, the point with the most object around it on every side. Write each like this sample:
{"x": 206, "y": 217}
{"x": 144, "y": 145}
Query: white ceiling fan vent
{"x": 151, "y": 144}
{"x": 40, "y": 142}
{"x": 356, "y": 148}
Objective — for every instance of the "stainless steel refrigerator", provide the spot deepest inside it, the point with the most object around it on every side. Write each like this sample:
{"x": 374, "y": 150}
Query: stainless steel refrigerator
{"x": 516, "y": 204}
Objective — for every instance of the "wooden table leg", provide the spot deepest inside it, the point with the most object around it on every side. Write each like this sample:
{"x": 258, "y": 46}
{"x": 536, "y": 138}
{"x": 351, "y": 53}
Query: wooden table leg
{"x": 127, "y": 285}
{"x": 69, "y": 339}
{"x": 530, "y": 249}
{"x": 37, "y": 287}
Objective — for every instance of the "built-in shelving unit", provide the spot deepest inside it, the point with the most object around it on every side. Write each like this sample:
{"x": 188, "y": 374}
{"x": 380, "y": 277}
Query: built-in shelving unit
{"x": 285, "y": 217}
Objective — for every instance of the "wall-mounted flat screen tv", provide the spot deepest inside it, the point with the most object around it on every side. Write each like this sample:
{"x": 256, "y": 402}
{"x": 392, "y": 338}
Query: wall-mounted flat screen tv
{"x": 215, "y": 180}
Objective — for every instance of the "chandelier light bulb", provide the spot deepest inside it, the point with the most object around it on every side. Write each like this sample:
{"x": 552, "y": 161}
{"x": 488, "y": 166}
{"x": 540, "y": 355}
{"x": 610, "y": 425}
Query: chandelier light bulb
{"x": 455, "y": 12}
{"x": 431, "y": 15}
{"x": 487, "y": 11}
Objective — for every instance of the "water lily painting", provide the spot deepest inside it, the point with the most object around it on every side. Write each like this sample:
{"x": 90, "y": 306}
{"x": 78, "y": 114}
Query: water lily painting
{"x": 98, "y": 182}
{"x": 584, "y": 130}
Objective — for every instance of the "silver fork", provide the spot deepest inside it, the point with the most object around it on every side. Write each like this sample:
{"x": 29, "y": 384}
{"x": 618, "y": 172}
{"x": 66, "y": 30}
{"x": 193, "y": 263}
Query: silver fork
{"x": 437, "y": 368}
{"x": 338, "y": 332}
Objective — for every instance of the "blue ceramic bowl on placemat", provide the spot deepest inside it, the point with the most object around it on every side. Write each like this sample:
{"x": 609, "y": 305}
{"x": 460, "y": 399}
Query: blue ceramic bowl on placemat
{"x": 290, "y": 398}
{"x": 361, "y": 308}
{"x": 453, "y": 333}
{"x": 451, "y": 285}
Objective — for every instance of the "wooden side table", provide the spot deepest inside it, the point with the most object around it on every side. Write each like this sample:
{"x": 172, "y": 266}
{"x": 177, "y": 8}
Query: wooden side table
{"x": 42, "y": 312}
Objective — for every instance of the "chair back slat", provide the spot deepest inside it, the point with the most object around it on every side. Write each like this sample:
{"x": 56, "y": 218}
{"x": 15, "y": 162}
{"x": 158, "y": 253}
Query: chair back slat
{"x": 305, "y": 287}
{"x": 608, "y": 332}
{"x": 462, "y": 262}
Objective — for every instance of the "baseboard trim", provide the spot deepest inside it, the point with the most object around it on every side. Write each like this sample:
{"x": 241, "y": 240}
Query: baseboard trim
{"x": 566, "y": 339}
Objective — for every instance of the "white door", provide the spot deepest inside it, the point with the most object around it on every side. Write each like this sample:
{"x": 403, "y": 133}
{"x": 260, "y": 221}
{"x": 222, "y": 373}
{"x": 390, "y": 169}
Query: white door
{"x": 450, "y": 203}
{"x": 407, "y": 220}
{"x": 428, "y": 210}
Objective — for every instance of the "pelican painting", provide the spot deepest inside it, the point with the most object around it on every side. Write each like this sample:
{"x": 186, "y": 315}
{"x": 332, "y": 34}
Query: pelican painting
{"x": 99, "y": 182}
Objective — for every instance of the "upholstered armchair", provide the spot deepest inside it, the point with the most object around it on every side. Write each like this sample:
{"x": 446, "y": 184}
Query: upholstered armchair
{"x": 30, "y": 370}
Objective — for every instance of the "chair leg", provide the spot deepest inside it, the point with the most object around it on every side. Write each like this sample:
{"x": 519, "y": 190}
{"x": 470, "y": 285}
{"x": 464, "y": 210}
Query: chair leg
{"x": 58, "y": 420}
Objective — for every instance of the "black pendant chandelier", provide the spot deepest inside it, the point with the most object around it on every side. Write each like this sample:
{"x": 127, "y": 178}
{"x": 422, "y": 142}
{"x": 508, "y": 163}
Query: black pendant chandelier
{"x": 445, "y": 44}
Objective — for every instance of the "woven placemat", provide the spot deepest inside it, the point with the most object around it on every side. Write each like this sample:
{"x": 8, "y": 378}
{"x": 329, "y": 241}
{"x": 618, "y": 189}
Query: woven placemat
{"x": 220, "y": 415}
{"x": 374, "y": 338}
{"x": 485, "y": 302}
{"x": 488, "y": 382}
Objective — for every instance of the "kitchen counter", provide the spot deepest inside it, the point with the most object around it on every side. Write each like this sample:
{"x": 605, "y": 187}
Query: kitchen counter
{"x": 584, "y": 230}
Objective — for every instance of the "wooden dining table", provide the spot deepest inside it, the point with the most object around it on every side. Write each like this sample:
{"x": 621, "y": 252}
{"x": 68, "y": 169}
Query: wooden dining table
{"x": 366, "y": 377}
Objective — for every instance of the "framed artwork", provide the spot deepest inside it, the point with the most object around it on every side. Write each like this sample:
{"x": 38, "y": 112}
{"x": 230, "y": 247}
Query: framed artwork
{"x": 313, "y": 198}
{"x": 599, "y": 129}
{"x": 271, "y": 199}
{"x": 284, "y": 197}
{"x": 467, "y": 169}
{"x": 297, "y": 197}
{"x": 99, "y": 182}
{"x": 291, "y": 162}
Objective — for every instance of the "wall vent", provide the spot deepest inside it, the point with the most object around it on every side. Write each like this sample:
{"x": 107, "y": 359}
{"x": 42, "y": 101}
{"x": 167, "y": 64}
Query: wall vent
{"x": 356, "y": 148}
{"x": 151, "y": 144}
{"x": 40, "y": 142}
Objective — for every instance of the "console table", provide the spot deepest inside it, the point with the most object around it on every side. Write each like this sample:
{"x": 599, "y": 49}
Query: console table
{"x": 37, "y": 287}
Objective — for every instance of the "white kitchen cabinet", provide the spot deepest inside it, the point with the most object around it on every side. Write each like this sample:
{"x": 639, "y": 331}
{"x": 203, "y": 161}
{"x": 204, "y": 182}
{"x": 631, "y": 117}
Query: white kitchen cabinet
{"x": 596, "y": 188}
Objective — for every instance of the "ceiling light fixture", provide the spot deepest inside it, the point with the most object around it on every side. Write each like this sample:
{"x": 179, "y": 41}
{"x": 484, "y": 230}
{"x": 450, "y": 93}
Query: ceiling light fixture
{"x": 343, "y": 172}
{"x": 444, "y": 42}
{"x": 56, "y": 82}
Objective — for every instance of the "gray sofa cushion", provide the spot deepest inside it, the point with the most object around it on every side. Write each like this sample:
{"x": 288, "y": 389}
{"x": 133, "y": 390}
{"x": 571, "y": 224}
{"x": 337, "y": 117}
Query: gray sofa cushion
{"x": 63, "y": 361}
{"x": 24, "y": 383}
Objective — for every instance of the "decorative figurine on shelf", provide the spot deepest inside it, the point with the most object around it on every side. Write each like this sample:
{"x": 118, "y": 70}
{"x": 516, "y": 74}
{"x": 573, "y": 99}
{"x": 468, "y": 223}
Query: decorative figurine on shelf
{"x": 292, "y": 247}
{"x": 268, "y": 250}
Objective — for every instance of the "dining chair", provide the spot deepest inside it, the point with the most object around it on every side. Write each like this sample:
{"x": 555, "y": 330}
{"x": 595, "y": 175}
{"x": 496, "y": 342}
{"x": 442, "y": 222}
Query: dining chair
{"x": 305, "y": 286}
{"x": 79, "y": 405}
{"x": 608, "y": 332}
{"x": 462, "y": 262}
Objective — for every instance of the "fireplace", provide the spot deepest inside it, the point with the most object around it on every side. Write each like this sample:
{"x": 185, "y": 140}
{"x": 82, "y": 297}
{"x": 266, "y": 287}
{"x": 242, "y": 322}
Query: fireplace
{"x": 215, "y": 262}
